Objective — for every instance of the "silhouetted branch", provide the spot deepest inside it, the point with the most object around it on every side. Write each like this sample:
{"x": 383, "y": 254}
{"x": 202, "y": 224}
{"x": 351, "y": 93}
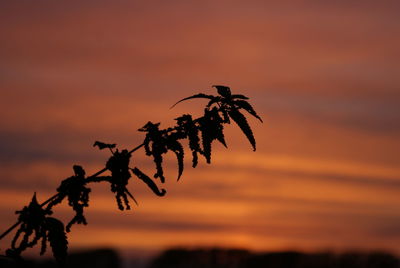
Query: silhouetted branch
{"x": 9, "y": 229}
{"x": 34, "y": 222}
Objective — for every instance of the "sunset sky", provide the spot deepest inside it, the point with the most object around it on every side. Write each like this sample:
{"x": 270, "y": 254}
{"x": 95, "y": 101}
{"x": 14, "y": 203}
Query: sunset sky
{"x": 324, "y": 76}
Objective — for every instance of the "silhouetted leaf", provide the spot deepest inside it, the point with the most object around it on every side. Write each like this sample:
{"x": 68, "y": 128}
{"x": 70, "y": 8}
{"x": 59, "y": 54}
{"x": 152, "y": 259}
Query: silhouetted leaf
{"x": 150, "y": 183}
{"x": 58, "y": 239}
{"x": 224, "y": 91}
{"x": 242, "y": 104}
{"x": 149, "y": 127}
{"x": 241, "y": 121}
{"x": 196, "y": 96}
{"x": 103, "y": 145}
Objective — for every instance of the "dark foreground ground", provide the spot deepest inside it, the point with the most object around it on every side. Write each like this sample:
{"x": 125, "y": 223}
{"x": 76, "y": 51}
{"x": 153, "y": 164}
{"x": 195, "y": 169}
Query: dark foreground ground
{"x": 222, "y": 258}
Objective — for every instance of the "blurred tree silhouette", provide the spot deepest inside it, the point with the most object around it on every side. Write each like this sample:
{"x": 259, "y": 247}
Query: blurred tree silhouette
{"x": 34, "y": 221}
{"x": 236, "y": 258}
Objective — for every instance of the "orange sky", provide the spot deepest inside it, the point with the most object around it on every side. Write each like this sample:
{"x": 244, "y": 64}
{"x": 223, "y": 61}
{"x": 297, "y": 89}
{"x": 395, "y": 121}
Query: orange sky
{"x": 323, "y": 76}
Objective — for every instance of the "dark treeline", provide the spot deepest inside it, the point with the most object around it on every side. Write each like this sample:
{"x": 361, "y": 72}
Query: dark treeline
{"x": 222, "y": 258}
{"x": 100, "y": 258}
